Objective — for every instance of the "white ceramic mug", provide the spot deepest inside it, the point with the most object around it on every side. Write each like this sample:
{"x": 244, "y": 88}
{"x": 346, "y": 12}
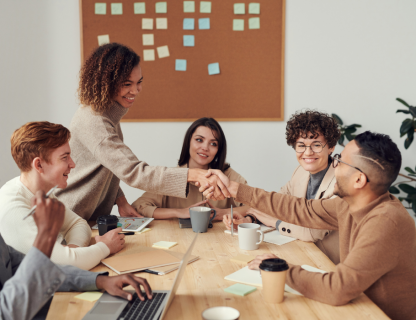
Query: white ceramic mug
{"x": 249, "y": 235}
{"x": 221, "y": 313}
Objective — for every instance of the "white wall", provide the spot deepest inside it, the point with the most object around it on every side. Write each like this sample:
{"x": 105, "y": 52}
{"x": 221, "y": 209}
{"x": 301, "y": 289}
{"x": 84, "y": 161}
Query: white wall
{"x": 352, "y": 58}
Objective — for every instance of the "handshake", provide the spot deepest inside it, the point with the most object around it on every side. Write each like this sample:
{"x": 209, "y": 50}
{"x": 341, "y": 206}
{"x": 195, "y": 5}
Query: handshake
{"x": 214, "y": 184}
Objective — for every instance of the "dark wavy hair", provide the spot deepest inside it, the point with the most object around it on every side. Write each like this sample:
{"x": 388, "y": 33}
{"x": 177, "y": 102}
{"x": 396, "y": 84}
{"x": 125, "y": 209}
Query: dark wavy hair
{"x": 103, "y": 74}
{"x": 219, "y": 160}
{"x": 386, "y": 159}
{"x": 314, "y": 122}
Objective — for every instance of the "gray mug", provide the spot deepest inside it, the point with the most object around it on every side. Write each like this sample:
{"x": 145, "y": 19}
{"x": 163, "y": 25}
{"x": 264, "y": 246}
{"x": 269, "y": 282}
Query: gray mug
{"x": 200, "y": 218}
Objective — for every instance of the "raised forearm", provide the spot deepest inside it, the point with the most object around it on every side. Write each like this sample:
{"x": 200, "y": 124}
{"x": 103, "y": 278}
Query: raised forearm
{"x": 45, "y": 243}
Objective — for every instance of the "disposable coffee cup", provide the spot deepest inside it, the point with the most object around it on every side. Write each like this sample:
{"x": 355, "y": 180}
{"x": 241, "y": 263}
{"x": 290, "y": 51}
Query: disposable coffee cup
{"x": 221, "y": 313}
{"x": 106, "y": 223}
{"x": 273, "y": 276}
{"x": 200, "y": 218}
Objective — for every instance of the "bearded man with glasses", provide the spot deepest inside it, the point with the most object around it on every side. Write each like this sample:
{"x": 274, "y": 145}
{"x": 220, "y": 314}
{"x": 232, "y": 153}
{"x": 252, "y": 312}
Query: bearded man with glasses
{"x": 377, "y": 234}
{"x": 313, "y": 136}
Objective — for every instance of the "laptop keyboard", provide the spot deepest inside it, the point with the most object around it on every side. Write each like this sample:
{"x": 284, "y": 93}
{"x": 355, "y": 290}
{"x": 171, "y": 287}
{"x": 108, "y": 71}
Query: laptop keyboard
{"x": 143, "y": 310}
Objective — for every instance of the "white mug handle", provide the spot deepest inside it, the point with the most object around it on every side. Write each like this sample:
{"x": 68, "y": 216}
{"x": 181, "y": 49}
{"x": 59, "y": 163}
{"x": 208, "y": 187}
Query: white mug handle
{"x": 261, "y": 237}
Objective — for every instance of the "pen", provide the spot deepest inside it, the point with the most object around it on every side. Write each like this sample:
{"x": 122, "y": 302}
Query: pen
{"x": 232, "y": 221}
{"x": 127, "y": 233}
{"x": 151, "y": 271}
{"x": 34, "y": 207}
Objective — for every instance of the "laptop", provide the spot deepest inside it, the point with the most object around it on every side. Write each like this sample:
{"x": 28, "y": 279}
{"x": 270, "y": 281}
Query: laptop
{"x": 109, "y": 307}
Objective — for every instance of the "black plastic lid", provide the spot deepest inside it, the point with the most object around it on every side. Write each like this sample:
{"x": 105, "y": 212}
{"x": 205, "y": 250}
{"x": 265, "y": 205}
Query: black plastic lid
{"x": 275, "y": 264}
{"x": 107, "y": 219}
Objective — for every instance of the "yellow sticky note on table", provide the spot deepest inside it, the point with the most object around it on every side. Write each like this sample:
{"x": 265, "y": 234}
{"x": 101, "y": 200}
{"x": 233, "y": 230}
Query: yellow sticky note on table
{"x": 163, "y": 52}
{"x": 148, "y": 55}
{"x": 148, "y": 39}
{"x": 117, "y": 8}
{"x": 104, "y": 39}
{"x": 161, "y": 23}
{"x": 100, "y": 8}
{"x": 164, "y": 244}
{"x": 147, "y": 24}
{"x": 89, "y": 296}
{"x": 189, "y": 6}
{"x": 242, "y": 258}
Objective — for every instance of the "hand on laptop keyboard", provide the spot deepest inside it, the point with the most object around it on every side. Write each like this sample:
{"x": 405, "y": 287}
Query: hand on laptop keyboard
{"x": 115, "y": 285}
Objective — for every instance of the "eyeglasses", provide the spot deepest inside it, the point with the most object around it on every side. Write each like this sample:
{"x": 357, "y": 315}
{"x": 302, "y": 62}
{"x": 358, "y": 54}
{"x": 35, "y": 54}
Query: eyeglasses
{"x": 336, "y": 161}
{"x": 315, "y": 147}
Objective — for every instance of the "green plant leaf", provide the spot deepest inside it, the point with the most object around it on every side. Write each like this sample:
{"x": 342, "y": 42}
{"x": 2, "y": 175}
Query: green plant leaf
{"x": 350, "y": 136}
{"x": 406, "y": 125}
{"x": 413, "y": 111}
{"x": 409, "y": 139}
{"x": 341, "y": 139}
{"x": 402, "y": 101}
{"x": 337, "y": 119}
{"x": 407, "y": 188}
{"x": 394, "y": 190}
{"x": 414, "y": 206}
{"x": 403, "y": 111}
{"x": 410, "y": 170}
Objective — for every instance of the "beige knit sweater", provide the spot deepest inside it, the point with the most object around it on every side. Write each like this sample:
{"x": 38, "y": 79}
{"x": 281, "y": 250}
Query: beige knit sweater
{"x": 377, "y": 247}
{"x": 102, "y": 160}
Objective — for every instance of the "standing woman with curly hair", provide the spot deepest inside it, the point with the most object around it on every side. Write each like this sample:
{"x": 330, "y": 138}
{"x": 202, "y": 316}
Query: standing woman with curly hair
{"x": 110, "y": 81}
{"x": 313, "y": 135}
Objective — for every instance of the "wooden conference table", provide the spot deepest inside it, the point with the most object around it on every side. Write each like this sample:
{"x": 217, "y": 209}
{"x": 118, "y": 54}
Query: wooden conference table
{"x": 203, "y": 283}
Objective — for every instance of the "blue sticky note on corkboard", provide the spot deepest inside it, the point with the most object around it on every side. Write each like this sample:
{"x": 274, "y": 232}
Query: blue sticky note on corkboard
{"x": 180, "y": 65}
{"x": 213, "y": 68}
{"x": 188, "y": 24}
{"x": 188, "y": 41}
{"x": 240, "y": 289}
{"x": 203, "y": 23}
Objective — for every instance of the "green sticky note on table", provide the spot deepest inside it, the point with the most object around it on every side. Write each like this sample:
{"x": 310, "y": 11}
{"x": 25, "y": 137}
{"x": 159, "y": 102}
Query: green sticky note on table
{"x": 161, "y": 7}
{"x": 139, "y": 8}
{"x": 100, "y": 8}
{"x": 205, "y": 7}
{"x": 117, "y": 8}
{"x": 89, "y": 296}
{"x": 238, "y": 24}
{"x": 254, "y": 23}
{"x": 240, "y": 289}
{"x": 189, "y": 6}
{"x": 239, "y": 8}
{"x": 254, "y": 8}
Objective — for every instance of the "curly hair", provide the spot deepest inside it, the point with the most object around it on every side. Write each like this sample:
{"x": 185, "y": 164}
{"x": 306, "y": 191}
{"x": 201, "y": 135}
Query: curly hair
{"x": 103, "y": 74}
{"x": 314, "y": 122}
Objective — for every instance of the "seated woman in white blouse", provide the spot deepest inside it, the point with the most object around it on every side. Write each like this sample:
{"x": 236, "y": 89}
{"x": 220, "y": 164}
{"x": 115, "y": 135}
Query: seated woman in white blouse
{"x": 42, "y": 153}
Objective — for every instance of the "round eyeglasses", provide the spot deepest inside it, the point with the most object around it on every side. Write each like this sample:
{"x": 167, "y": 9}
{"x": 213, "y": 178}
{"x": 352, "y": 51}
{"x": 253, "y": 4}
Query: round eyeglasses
{"x": 316, "y": 147}
{"x": 336, "y": 161}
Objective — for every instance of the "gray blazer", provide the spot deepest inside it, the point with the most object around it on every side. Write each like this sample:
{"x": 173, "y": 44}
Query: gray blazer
{"x": 28, "y": 282}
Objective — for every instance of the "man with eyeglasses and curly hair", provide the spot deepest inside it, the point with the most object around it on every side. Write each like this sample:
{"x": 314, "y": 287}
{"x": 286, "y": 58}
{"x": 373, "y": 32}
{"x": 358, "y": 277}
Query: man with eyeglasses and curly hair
{"x": 313, "y": 136}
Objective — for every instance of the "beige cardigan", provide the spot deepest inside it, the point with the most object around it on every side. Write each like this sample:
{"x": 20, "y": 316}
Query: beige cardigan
{"x": 326, "y": 240}
{"x": 102, "y": 160}
{"x": 148, "y": 202}
{"x": 377, "y": 249}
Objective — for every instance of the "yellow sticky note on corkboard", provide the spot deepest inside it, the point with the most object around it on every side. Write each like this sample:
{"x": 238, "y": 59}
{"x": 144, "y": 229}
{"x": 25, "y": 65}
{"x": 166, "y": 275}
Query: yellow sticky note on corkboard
{"x": 242, "y": 258}
{"x": 89, "y": 296}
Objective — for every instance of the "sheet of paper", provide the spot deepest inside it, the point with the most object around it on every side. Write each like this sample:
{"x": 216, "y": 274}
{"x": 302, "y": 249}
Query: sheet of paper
{"x": 239, "y": 8}
{"x": 254, "y": 23}
{"x": 139, "y": 8}
{"x": 149, "y": 55}
{"x": 276, "y": 238}
{"x": 242, "y": 258}
{"x": 100, "y": 8}
{"x": 189, "y": 6}
{"x": 180, "y": 65}
{"x": 205, "y": 7}
{"x": 203, "y": 23}
{"x": 188, "y": 24}
{"x": 213, "y": 68}
{"x": 161, "y": 23}
{"x": 89, "y": 296}
{"x": 254, "y": 8}
{"x": 103, "y": 39}
{"x": 147, "y": 24}
{"x": 240, "y": 289}
{"x": 161, "y": 7}
{"x": 165, "y": 244}
{"x": 188, "y": 41}
{"x": 117, "y": 8}
{"x": 148, "y": 39}
{"x": 163, "y": 52}
{"x": 238, "y": 24}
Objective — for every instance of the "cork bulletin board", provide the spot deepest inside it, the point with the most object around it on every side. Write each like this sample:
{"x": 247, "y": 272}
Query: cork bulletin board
{"x": 249, "y": 85}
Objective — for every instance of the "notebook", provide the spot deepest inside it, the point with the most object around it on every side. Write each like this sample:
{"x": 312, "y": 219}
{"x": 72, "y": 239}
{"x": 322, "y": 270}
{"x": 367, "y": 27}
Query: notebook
{"x": 276, "y": 238}
{"x": 253, "y": 277}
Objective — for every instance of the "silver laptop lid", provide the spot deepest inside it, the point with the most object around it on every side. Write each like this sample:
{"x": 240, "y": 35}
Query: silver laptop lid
{"x": 179, "y": 276}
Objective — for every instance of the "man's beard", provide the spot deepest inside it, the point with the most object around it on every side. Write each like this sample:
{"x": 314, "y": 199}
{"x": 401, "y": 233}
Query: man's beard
{"x": 339, "y": 191}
